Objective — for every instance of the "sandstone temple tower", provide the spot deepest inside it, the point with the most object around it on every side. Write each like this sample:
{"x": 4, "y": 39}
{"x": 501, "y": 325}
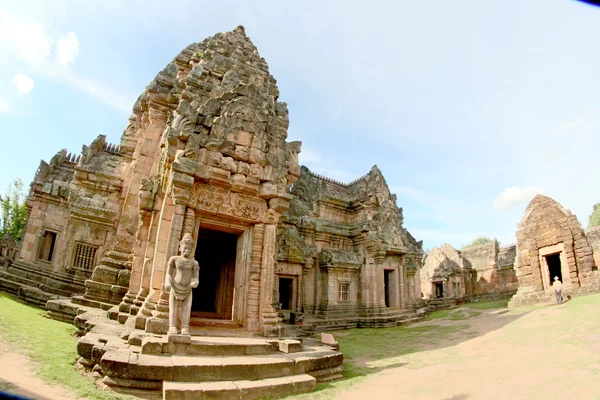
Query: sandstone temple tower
{"x": 205, "y": 154}
{"x": 551, "y": 243}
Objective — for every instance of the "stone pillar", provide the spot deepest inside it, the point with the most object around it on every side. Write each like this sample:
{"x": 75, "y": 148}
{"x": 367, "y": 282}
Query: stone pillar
{"x": 269, "y": 321}
{"x": 159, "y": 323}
{"x": 135, "y": 280}
{"x": 402, "y": 284}
{"x": 253, "y": 294}
{"x": 148, "y": 257}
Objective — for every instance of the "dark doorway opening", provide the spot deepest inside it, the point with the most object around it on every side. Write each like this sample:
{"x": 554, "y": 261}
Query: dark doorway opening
{"x": 439, "y": 290}
{"x": 286, "y": 293}
{"x": 215, "y": 252}
{"x": 554, "y": 267}
{"x": 386, "y": 283}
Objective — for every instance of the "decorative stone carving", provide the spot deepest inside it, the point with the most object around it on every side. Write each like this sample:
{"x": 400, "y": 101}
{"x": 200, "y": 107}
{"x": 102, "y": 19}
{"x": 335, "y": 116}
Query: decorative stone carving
{"x": 215, "y": 200}
{"x": 148, "y": 189}
{"x": 291, "y": 246}
{"x": 182, "y": 276}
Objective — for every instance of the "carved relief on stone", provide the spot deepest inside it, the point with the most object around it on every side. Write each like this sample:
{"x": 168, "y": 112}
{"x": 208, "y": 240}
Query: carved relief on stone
{"x": 87, "y": 153}
{"x": 132, "y": 127}
{"x": 148, "y": 189}
{"x": 43, "y": 172}
{"x": 214, "y": 200}
{"x": 291, "y": 245}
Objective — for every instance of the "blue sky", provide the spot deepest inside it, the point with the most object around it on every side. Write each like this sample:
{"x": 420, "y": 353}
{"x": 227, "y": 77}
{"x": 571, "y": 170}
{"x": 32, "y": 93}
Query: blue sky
{"x": 468, "y": 107}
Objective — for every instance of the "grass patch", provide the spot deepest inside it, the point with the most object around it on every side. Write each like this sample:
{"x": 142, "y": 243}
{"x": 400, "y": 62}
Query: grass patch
{"x": 6, "y": 386}
{"x": 367, "y": 351}
{"x": 438, "y": 314}
{"x": 50, "y": 344}
{"x": 488, "y": 305}
{"x": 452, "y": 315}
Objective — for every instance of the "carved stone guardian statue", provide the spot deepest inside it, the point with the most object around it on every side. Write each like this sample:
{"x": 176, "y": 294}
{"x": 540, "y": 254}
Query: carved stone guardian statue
{"x": 182, "y": 276}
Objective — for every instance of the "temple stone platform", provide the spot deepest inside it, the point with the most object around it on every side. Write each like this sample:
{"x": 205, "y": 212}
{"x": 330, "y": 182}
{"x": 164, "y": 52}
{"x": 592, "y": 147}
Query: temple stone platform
{"x": 207, "y": 364}
{"x": 384, "y": 319}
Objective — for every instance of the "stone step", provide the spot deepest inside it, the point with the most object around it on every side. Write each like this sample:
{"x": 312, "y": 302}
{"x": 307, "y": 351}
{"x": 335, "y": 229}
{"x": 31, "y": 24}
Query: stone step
{"x": 35, "y": 296}
{"x": 241, "y": 389}
{"x": 18, "y": 279}
{"x": 49, "y": 282}
{"x": 9, "y": 286}
{"x": 80, "y": 300}
{"x": 210, "y": 346}
{"x": 229, "y": 346}
{"x": 64, "y": 310}
{"x": 127, "y": 364}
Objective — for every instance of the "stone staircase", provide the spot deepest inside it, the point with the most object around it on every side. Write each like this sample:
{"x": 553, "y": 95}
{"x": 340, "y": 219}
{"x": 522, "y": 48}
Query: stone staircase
{"x": 445, "y": 303}
{"x": 34, "y": 286}
{"x": 385, "y": 318}
{"x": 199, "y": 367}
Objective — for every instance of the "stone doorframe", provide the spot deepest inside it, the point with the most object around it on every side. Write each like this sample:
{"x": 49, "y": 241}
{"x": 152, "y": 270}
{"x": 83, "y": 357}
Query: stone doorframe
{"x": 564, "y": 266}
{"x": 243, "y": 258}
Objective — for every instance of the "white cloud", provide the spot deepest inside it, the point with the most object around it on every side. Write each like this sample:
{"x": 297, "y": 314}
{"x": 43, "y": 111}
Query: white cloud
{"x": 67, "y": 49}
{"x": 25, "y": 41}
{"x": 439, "y": 208}
{"x": 22, "y": 83}
{"x": 513, "y": 196}
{"x": 99, "y": 91}
{"x": 4, "y": 107}
{"x": 441, "y": 236}
{"x": 319, "y": 164}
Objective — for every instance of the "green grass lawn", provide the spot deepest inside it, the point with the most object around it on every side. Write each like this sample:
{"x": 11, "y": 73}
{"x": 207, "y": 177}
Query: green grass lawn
{"x": 50, "y": 344}
{"x": 367, "y": 351}
{"x": 488, "y": 305}
{"x": 468, "y": 310}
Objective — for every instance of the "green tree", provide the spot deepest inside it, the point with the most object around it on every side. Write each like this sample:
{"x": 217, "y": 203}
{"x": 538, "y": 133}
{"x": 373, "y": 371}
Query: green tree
{"x": 594, "y": 216}
{"x": 14, "y": 211}
{"x": 479, "y": 241}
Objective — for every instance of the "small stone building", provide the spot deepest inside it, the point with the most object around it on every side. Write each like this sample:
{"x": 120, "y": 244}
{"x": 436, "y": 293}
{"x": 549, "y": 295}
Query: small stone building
{"x": 550, "y": 243}
{"x": 482, "y": 272}
{"x": 445, "y": 273}
{"x": 343, "y": 256}
{"x": 205, "y": 153}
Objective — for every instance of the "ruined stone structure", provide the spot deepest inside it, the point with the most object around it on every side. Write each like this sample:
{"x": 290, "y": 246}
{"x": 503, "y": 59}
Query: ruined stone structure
{"x": 205, "y": 154}
{"x": 475, "y": 273}
{"x": 493, "y": 275}
{"x": 445, "y": 273}
{"x": 205, "y": 157}
{"x": 343, "y": 257}
{"x": 551, "y": 242}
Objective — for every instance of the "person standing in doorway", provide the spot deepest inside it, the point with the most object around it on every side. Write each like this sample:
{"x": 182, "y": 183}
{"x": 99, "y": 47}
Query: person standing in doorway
{"x": 557, "y": 290}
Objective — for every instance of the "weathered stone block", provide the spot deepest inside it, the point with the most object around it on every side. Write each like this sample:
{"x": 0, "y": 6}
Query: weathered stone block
{"x": 152, "y": 345}
{"x": 267, "y": 190}
{"x": 183, "y": 180}
{"x": 290, "y": 346}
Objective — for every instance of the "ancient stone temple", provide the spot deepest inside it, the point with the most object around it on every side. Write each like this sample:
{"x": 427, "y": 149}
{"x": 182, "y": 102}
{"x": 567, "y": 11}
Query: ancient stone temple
{"x": 445, "y": 273}
{"x": 551, "y": 243}
{"x": 204, "y": 157}
{"x": 343, "y": 257}
{"x": 475, "y": 273}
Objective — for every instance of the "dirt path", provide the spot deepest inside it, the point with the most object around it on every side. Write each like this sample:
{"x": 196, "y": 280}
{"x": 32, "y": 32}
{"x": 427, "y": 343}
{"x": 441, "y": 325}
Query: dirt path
{"x": 17, "y": 377}
{"x": 548, "y": 353}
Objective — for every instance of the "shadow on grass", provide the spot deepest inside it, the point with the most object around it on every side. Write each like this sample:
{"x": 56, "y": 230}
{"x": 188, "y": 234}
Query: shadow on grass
{"x": 369, "y": 351}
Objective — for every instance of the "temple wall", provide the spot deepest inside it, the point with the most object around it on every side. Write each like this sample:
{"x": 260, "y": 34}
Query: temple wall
{"x": 493, "y": 273}
{"x": 593, "y": 236}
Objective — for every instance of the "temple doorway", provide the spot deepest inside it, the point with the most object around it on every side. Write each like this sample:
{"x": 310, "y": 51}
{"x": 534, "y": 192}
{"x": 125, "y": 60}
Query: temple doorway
{"x": 554, "y": 267}
{"x": 216, "y": 254}
{"x": 386, "y": 283}
{"x": 286, "y": 293}
{"x": 439, "y": 289}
